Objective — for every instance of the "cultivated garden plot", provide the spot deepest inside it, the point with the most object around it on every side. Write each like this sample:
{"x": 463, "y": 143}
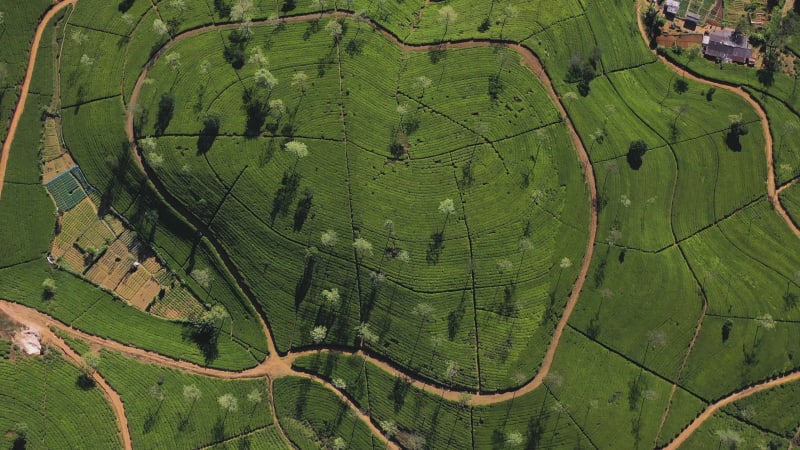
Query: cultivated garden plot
{"x": 373, "y": 223}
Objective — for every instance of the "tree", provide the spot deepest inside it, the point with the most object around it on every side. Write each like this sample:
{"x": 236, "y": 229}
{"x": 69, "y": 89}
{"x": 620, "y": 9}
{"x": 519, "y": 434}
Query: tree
{"x": 78, "y": 37}
{"x": 729, "y": 438}
{"x": 178, "y": 5}
{"x": 363, "y": 248}
{"x": 329, "y": 238}
{"x": 338, "y": 443}
{"x": 509, "y": 12}
{"x": 203, "y": 277}
{"x": 2, "y": 17}
{"x": 446, "y": 207}
{"x": 174, "y": 61}
{"x": 403, "y": 256}
{"x": 652, "y": 22}
{"x": 255, "y": 396}
{"x": 148, "y": 144}
{"x": 331, "y": 296}
{"x": 389, "y": 428}
{"x": 258, "y": 58}
{"x": 415, "y": 441}
{"x": 737, "y": 129}
{"x": 447, "y": 15}
{"x": 334, "y": 29}
{"x": 365, "y": 334}
{"x": 339, "y": 383}
{"x": 229, "y": 403}
{"x": 90, "y": 361}
{"x": 318, "y": 334}
{"x": 191, "y": 393}
{"x": 241, "y": 11}
{"x": 422, "y": 82}
{"x": 160, "y": 28}
{"x": 157, "y": 392}
{"x": 504, "y": 265}
{"x": 692, "y": 53}
{"x": 300, "y": 79}
{"x": 451, "y": 372}
{"x": 764, "y": 321}
{"x": 208, "y": 324}
{"x": 513, "y": 439}
{"x": 264, "y": 78}
{"x": 424, "y": 311}
{"x": 155, "y": 160}
{"x": 49, "y": 287}
{"x": 320, "y": 5}
{"x": 86, "y": 60}
{"x": 20, "y": 430}
{"x": 277, "y": 107}
{"x": 296, "y": 148}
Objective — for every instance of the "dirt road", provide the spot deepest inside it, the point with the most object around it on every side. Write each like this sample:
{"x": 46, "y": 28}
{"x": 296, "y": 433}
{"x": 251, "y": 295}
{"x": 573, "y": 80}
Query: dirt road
{"x": 20, "y": 316}
{"x": 772, "y": 194}
{"x": 537, "y": 69}
{"x": 26, "y": 84}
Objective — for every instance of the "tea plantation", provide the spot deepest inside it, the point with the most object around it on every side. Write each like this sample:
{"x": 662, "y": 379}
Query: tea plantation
{"x": 397, "y": 224}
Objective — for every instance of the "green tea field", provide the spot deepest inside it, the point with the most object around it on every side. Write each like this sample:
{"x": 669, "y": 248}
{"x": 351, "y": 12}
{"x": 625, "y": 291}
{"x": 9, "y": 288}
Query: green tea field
{"x": 367, "y": 224}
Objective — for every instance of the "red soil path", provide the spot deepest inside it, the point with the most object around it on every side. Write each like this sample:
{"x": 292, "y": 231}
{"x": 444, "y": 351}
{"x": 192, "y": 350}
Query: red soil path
{"x": 536, "y": 67}
{"x": 26, "y": 84}
{"x": 11, "y": 310}
{"x": 772, "y": 194}
{"x": 275, "y": 366}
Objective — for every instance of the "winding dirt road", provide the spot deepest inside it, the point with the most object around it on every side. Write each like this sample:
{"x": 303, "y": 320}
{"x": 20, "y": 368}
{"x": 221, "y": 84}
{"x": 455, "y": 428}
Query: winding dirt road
{"x": 26, "y": 84}
{"x": 772, "y": 194}
{"x": 276, "y": 366}
{"x": 534, "y": 64}
{"x": 10, "y": 309}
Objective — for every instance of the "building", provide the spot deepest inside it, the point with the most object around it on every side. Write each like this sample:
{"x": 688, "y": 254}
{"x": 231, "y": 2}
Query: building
{"x": 691, "y": 20}
{"x": 723, "y": 45}
{"x": 671, "y": 8}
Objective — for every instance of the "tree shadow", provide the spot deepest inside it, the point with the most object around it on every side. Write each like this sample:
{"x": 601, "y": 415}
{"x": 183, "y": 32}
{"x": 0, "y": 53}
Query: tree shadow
{"x": 218, "y": 429}
{"x": 125, "y": 5}
{"x": 535, "y": 433}
{"x": 456, "y": 316}
{"x": 681, "y": 86}
{"x": 166, "y": 109}
{"x": 399, "y": 392}
{"x": 208, "y": 134}
{"x": 256, "y": 112}
{"x": 85, "y": 382}
{"x": 151, "y": 419}
{"x": 205, "y": 338}
{"x": 284, "y": 196}
{"x": 733, "y": 142}
{"x": 304, "y": 284}
{"x": 288, "y": 5}
{"x": 303, "y": 208}
{"x": 765, "y": 77}
{"x": 437, "y": 53}
{"x": 435, "y": 247}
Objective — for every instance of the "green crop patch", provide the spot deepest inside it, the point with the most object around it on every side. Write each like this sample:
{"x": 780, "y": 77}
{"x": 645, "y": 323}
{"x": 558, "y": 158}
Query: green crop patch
{"x": 312, "y": 417}
{"x": 43, "y": 403}
{"x": 171, "y": 408}
{"x": 414, "y": 174}
{"x": 392, "y": 190}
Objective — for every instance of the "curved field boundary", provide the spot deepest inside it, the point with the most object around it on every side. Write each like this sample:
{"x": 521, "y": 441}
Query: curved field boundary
{"x": 275, "y": 368}
{"x": 772, "y": 194}
{"x": 111, "y": 395}
{"x": 26, "y": 84}
{"x": 274, "y": 365}
{"x": 534, "y": 64}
